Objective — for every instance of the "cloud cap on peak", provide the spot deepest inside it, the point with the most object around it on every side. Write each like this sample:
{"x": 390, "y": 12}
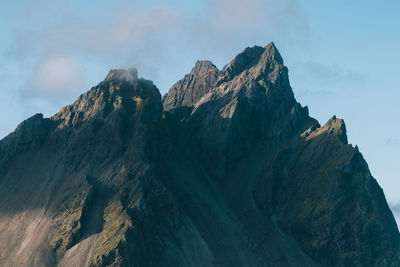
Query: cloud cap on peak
{"x": 128, "y": 75}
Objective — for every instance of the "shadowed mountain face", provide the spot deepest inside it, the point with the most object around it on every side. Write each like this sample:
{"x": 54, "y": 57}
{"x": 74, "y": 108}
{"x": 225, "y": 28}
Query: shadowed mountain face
{"x": 227, "y": 169}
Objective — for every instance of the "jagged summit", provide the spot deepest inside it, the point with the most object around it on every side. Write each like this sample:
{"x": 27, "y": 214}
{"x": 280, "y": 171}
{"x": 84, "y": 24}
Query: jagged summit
{"x": 121, "y": 90}
{"x": 273, "y": 52}
{"x": 227, "y": 169}
{"x": 255, "y": 65}
{"x": 196, "y": 84}
{"x": 251, "y": 56}
{"x": 245, "y": 60}
{"x": 334, "y": 128}
{"x": 202, "y": 67}
{"x": 128, "y": 75}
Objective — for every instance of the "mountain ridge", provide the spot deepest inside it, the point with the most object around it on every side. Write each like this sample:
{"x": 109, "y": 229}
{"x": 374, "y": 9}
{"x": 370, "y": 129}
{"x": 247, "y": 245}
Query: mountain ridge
{"x": 226, "y": 169}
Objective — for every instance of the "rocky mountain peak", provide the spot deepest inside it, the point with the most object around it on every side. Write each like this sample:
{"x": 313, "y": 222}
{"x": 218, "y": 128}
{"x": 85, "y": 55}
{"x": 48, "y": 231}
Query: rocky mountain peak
{"x": 253, "y": 57}
{"x": 189, "y": 90}
{"x": 255, "y": 65}
{"x": 121, "y": 90}
{"x": 334, "y": 127}
{"x": 202, "y": 67}
{"x": 337, "y": 127}
{"x": 129, "y": 75}
{"x": 272, "y": 53}
{"x": 245, "y": 60}
{"x": 231, "y": 172}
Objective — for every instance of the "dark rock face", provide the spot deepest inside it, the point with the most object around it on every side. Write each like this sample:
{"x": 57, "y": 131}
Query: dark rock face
{"x": 192, "y": 87}
{"x": 227, "y": 169}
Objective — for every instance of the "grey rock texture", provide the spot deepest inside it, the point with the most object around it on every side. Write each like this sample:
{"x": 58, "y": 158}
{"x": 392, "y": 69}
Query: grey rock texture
{"x": 226, "y": 169}
{"x": 192, "y": 87}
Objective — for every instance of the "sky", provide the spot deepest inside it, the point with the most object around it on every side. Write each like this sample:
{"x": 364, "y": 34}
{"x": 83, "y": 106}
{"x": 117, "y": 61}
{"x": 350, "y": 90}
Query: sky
{"x": 343, "y": 57}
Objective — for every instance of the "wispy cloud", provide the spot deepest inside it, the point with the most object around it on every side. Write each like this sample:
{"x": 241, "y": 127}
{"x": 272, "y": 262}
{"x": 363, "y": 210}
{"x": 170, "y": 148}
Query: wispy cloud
{"x": 57, "y": 75}
{"x": 318, "y": 79}
{"x": 330, "y": 74}
{"x": 156, "y": 39}
{"x": 393, "y": 142}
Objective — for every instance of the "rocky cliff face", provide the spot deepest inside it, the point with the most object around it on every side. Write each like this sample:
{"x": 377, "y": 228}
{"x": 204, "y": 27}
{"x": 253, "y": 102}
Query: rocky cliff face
{"x": 227, "y": 169}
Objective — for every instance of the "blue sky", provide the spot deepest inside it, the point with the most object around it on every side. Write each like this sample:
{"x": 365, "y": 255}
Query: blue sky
{"x": 343, "y": 56}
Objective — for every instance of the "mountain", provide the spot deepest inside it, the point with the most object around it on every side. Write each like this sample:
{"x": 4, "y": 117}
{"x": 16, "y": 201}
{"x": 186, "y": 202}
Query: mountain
{"x": 226, "y": 169}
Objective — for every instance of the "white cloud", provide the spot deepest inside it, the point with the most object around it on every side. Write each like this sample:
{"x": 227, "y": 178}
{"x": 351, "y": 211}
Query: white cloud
{"x": 157, "y": 39}
{"x": 57, "y": 75}
{"x": 393, "y": 142}
{"x": 330, "y": 74}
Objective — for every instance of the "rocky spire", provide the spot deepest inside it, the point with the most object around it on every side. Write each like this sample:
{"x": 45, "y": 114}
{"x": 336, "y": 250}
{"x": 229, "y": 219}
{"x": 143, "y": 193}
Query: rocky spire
{"x": 186, "y": 92}
{"x": 245, "y": 60}
{"x": 272, "y": 53}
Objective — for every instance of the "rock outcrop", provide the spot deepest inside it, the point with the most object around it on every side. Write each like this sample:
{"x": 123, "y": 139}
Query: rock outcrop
{"x": 226, "y": 169}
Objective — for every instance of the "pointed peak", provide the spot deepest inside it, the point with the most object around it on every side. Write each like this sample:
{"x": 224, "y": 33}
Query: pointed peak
{"x": 334, "y": 121}
{"x": 203, "y": 66}
{"x": 128, "y": 75}
{"x": 338, "y": 127}
{"x": 270, "y": 44}
{"x": 271, "y": 47}
{"x": 273, "y": 53}
{"x": 254, "y": 56}
{"x": 246, "y": 57}
{"x": 245, "y": 60}
{"x": 187, "y": 91}
{"x": 334, "y": 127}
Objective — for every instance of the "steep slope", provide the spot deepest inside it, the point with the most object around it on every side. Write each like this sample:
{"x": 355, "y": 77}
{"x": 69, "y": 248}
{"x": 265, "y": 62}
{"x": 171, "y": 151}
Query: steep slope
{"x": 66, "y": 185}
{"x": 227, "y": 169}
{"x": 266, "y": 154}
